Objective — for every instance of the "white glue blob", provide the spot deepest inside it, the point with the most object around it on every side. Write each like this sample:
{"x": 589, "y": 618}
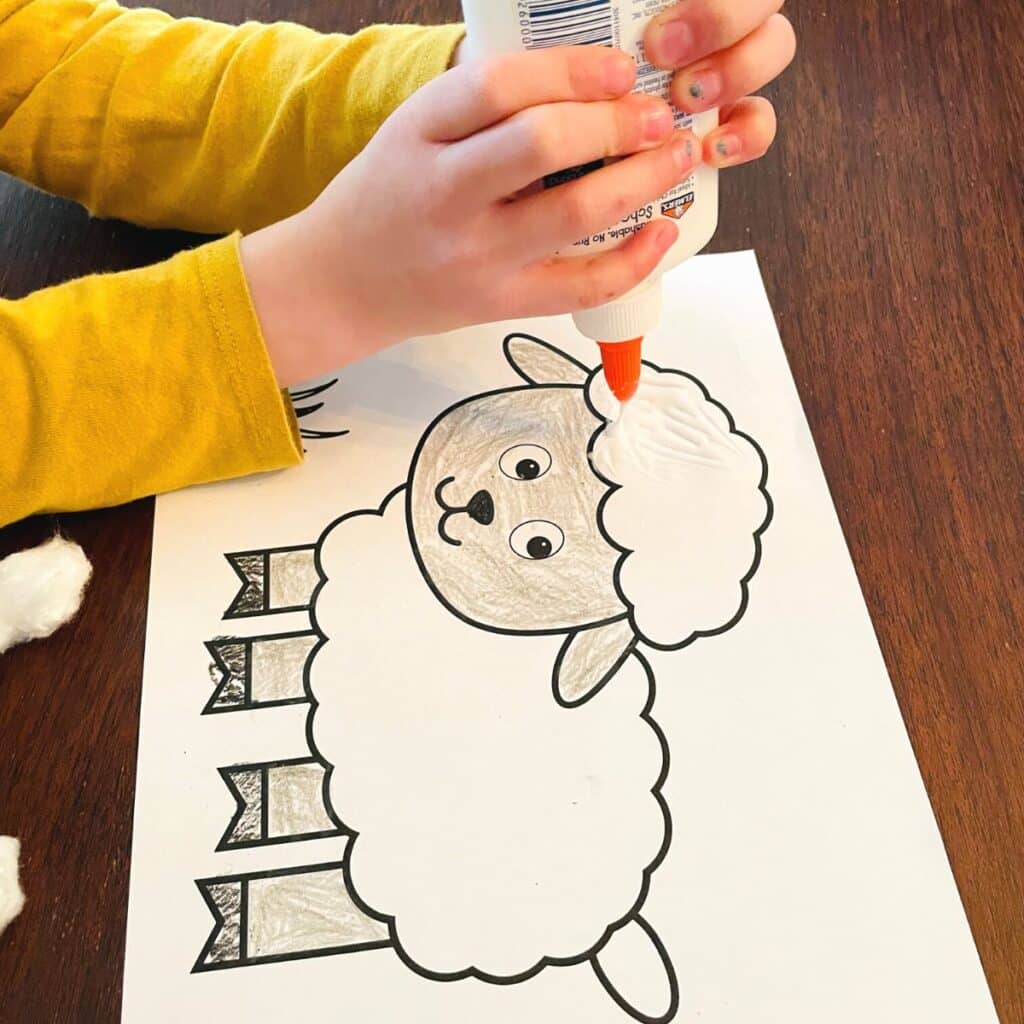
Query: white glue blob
{"x": 688, "y": 509}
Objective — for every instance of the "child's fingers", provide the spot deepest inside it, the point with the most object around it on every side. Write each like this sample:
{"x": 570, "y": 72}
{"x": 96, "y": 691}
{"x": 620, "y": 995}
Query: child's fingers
{"x": 738, "y": 71}
{"x": 500, "y": 161}
{"x": 480, "y": 94}
{"x": 570, "y": 284}
{"x": 694, "y": 29}
{"x": 746, "y": 133}
{"x": 544, "y": 223}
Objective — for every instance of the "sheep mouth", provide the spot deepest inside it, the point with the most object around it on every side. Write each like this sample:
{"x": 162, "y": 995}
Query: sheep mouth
{"x": 449, "y": 511}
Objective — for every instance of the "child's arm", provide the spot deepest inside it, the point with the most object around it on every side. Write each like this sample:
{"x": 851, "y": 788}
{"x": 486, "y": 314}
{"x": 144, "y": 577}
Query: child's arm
{"x": 117, "y": 386}
{"x": 190, "y": 123}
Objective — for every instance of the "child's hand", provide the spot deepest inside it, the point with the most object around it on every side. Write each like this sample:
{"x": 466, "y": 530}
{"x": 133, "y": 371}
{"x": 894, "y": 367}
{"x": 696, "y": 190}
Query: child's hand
{"x": 722, "y": 51}
{"x": 429, "y": 229}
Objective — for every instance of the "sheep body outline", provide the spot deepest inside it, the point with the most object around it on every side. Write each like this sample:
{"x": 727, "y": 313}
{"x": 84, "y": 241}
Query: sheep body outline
{"x": 588, "y": 955}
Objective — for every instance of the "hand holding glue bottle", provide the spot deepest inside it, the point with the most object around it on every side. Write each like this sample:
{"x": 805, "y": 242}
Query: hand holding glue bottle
{"x": 436, "y": 224}
{"x": 499, "y": 26}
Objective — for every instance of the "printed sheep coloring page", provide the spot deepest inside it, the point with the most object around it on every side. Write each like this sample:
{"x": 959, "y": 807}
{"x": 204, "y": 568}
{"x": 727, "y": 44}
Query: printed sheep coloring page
{"x": 515, "y": 704}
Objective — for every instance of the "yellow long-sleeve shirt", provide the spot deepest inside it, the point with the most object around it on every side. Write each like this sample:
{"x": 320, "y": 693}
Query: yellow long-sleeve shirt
{"x": 121, "y": 385}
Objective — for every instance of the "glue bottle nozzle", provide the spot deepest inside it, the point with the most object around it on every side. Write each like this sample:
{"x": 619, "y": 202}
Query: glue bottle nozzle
{"x": 621, "y": 362}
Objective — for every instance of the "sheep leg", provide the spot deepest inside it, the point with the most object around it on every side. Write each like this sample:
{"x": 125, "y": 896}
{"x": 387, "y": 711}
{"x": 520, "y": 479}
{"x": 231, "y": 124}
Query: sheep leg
{"x": 259, "y": 671}
{"x": 635, "y": 970}
{"x": 273, "y": 916}
{"x": 273, "y": 580}
{"x": 278, "y": 802}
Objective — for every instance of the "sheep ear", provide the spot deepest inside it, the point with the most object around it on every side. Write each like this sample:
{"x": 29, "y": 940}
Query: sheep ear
{"x": 588, "y": 659}
{"x": 537, "y": 362}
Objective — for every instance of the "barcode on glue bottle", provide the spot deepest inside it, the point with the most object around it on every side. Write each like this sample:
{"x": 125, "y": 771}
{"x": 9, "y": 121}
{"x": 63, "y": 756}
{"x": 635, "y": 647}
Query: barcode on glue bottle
{"x": 566, "y": 23}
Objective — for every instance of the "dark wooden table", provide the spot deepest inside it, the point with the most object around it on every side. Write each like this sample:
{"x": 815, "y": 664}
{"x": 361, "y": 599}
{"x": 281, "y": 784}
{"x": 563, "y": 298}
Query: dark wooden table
{"x": 889, "y": 221}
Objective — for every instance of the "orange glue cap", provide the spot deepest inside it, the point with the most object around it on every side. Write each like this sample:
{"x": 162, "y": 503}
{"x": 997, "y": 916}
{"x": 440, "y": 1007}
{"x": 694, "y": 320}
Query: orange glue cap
{"x": 619, "y": 328}
{"x": 621, "y": 362}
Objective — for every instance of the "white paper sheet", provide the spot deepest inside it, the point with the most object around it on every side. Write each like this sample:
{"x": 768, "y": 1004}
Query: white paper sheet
{"x": 805, "y": 880}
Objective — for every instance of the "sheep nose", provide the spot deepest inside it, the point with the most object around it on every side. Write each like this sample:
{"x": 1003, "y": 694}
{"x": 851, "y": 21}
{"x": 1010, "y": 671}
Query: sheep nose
{"x": 481, "y": 508}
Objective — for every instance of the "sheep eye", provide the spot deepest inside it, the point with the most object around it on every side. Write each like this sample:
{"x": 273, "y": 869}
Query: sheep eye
{"x": 525, "y": 462}
{"x": 536, "y": 540}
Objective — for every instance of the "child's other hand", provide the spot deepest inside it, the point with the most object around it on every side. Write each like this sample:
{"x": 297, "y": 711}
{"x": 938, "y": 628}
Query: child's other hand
{"x": 430, "y": 228}
{"x": 722, "y": 51}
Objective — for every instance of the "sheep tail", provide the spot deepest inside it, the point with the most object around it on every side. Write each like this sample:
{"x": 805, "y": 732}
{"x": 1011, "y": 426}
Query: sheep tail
{"x": 635, "y": 970}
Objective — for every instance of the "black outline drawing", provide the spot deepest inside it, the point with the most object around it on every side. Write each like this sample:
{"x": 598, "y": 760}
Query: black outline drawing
{"x": 633, "y": 919}
{"x": 301, "y": 412}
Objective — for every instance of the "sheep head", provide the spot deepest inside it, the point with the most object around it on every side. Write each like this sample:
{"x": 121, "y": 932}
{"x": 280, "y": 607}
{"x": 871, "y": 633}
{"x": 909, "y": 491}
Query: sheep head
{"x": 502, "y": 503}
{"x": 531, "y": 511}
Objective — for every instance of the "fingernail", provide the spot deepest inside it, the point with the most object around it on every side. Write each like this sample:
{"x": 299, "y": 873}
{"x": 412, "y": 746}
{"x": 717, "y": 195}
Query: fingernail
{"x": 702, "y": 90}
{"x": 672, "y": 44}
{"x": 727, "y": 148}
{"x": 684, "y": 153}
{"x": 657, "y": 122}
{"x": 619, "y": 73}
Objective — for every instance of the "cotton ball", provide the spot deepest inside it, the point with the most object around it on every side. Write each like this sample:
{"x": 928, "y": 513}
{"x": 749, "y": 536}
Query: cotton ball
{"x": 687, "y": 508}
{"x": 12, "y": 899}
{"x": 40, "y": 590}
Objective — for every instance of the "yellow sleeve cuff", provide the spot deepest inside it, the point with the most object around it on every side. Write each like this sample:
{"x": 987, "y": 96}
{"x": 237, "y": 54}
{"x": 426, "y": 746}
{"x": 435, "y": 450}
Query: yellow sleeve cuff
{"x": 268, "y": 432}
{"x": 119, "y": 386}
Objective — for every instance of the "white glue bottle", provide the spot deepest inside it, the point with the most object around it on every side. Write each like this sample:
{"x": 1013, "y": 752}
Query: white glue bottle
{"x": 502, "y": 26}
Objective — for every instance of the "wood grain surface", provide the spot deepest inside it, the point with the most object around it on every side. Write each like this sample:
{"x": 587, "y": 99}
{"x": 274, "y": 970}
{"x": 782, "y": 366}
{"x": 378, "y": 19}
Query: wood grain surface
{"x": 889, "y": 221}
